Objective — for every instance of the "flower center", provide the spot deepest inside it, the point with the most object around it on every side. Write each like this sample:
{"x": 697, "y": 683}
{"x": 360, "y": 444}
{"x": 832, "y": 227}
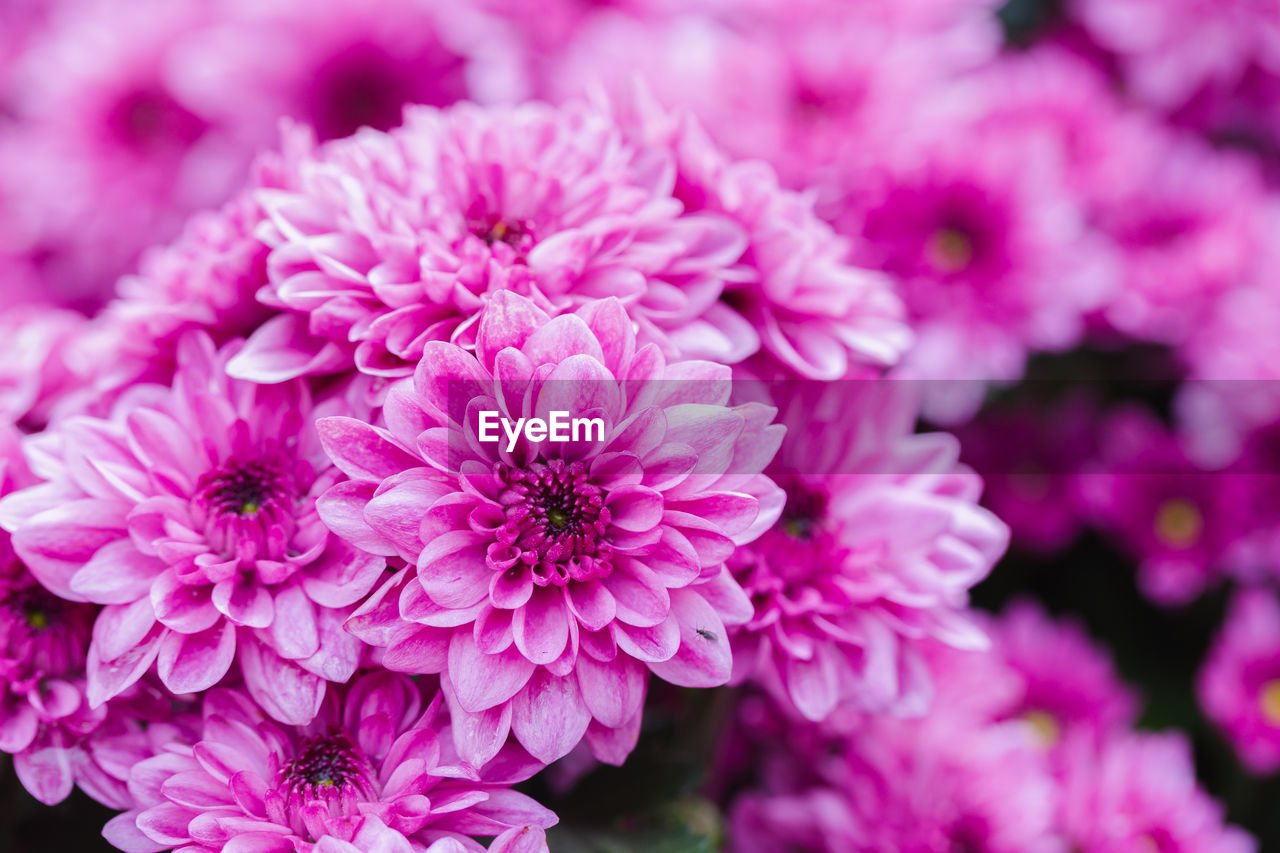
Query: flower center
{"x": 803, "y": 512}
{"x": 510, "y": 239}
{"x": 248, "y": 503}
{"x": 950, "y": 249}
{"x": 329, "y": 770}
{"x": 1178, "y": 523}
{"x": 147, "y": 120}
{"x": 1269, "y": 699}
{"x": 49, "y": 635}
{"x": 1045, "y": 725}
{"x": 555, "y": 524}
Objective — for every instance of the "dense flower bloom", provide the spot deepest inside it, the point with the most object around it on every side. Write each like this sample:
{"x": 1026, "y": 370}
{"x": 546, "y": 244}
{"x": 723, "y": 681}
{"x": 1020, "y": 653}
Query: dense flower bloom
{"x": 36, "y": 362}
{"x": 1180, "y": 522}
{"x": 1170, "y": 50}
{"x": 876, "y": 548}
{"x": 389, "y": 241}
{"x": 812, "y": 88}
{"x": 549, "y": 576}
{"x": 948, "y": 781}
{"x": 157, "y": 109}
{"x": 43, "y": 711}
{"x": 1138, "y": 792}
{"x": 112, "y": 155}
{"x": 990, "y": 249}
{"x": 374, "y": 767}
{"x": 342, "y": 69}
{"x": 1028, "y": 457}
{"x": 190, "y": 514}
{"x": 1068, "y": 683}
{"x": 1187, "y": 224}
{"x": 813, "y": 314}
{"x": 1239, "y": 685}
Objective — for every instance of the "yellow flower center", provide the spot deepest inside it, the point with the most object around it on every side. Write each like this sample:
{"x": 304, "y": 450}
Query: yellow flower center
{"x": 1270, "y": 701}
{"x": 1045, "y": 725}
{"x": 950, "y": 249}
{"x": 1179, "y": 523}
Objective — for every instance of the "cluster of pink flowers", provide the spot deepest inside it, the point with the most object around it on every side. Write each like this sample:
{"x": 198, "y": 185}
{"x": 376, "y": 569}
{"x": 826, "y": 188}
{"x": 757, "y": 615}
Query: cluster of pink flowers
{"x": 1030, "y": 748}
{"x": 293, "y": 560}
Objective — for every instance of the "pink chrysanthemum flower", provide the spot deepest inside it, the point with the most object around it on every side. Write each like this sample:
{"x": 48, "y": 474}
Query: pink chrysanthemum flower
{"x": 113, "y": 154}
{"x": 1188, "y": 224}
{"x": 1180, "y": 522}
{"x": 57, "y": 740}
{"x": 344, "y": 69}
{"x": 551, "y": 577}
{"x": 812, "y": 314}
{"x": 35, "y": 373}
{"x": 876, "y": 549}
{"x": 462, "y": 204}
{"x": 190, "y": 514}
{"x": 43, "y": 711}
{"x": 1029, "y": 456}
{"x": 989, "y": 245}
{"x": 561, "y": 206}
{"x": 1171, "y": 49}
{"x": 1069, "y": 684}
{"x": 946, "y": 782}
{"x": 1239, "y": 685}
{"x": 1138, "y": 792}
{"x": 378, "y": 751}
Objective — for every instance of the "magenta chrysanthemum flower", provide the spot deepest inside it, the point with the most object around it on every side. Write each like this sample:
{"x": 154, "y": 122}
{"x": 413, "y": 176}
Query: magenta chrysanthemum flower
{"x": 989, "y": 245}
{"x": 341, "y": 69}
{"x": 1029, "y": 456}
{"x": 388, "y": 241}
{"x": 462, "y": 204}
{"x": 1239, "y": 685}
{"x": 1188, "y": 224}
{"x": 550, "y": 577}
{"x": 1138, "y": 793}
{"x": 374, "y": 767}
{"x": 34, "y": 369}
{"x": 813, "y": 315}
{"x": 1169, "y": 51}
{"x": 1180, "y": 522}
{"x": 1068, "y": 683}
{"x": 43, "y": 710}
{"x": 946, "y": 782}
{"x": 190, "y": 514}
{"x": 876, "y": 549}
{"x": 57, "y": 740}
{"x": 113, "y": 155}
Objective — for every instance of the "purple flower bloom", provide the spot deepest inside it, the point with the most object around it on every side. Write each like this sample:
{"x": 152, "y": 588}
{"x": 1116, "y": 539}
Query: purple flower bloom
{"x": 876, "y": 549}
{"x": 374, "y": 768}
{"x": 1138, "y": 792}
{"x": 549, "y": 577}
{"x": 190, "y": 515}
{"x": 1239, "y": 685}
